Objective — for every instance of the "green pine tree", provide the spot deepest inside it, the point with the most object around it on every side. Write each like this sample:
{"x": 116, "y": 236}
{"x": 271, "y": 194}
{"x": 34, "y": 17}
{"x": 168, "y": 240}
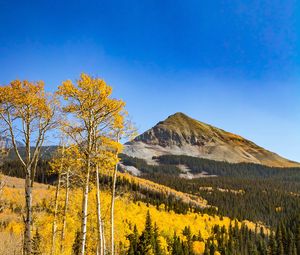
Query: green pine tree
{"x": 36, "y": 243}
{"x": 146, "y": 239}
{"x": 176, "y": 246}
{"x": 280, "y": 243}
{"x": 206, "y": 249}
{"x": 272, "y": 245}
{"x": 156, "y": 242}
{"x": 76, "y": 244}
{"x": 133, "y": 239}
{"x": 297, "y": 237}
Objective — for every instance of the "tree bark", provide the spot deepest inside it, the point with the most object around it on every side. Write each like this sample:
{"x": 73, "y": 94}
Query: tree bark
{"x": 103, "y": 238}
{"x": 84, "y": 210}
{"x": 54, "y": 226}
{"x": 28, "y": 211}
{"x": 86, "y": 192}
{"x": 64, "y": 223}
{"x": 112, "y": 210}
{"x": 99, "y": 219}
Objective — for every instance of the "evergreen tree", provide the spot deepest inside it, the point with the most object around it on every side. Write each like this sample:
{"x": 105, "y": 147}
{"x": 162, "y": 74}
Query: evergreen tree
{"x": 176, "y": 246}
{"x": 133, "y": 239}
{"x": 146, "y": 238}
{"x": 279, "y": 239}
{"x": 212, "y": 248}
{"x": 297, "y": 237}
{"x": 206, "y": 249}
{"x": 272, "y": 245}
{"x": 76, "y": 245}
{"x": 199, "y": 237}
{"x": 36, "y": 243}
{"x": 156, "y": 242}
{"x": 293, "y": 249}
{"x": 189, "y": 243}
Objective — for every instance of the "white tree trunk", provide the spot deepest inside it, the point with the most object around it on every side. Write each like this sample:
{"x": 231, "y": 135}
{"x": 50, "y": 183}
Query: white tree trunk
{"x": 99, "y": 219}
{"x": 28, "y": 211}
{"x": 64, "y": 223}
{"x": 103, "y": 238}
{"x": 112, "y": 210}
{"x": 86, "y": 191}
{"x": 54, "y": 225}
{"x": 84, "y": 211}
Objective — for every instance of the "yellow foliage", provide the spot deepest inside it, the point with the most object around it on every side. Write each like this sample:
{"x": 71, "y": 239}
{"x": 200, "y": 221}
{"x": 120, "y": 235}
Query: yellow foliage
{"x": 198, "y": 247}
{"x": 127, "y": 214}
{"x": 26, "y": 100}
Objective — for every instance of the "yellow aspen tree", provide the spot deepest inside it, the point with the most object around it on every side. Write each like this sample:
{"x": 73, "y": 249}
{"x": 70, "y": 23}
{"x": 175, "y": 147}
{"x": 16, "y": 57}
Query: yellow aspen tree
{"x": 121, "y": 129}
{"x": 104, "y": 161}
{"x": 113, "y": 195}
{"x": 92, "y": 108}
{"x": 71, "y": 167}
{"x": 65, "y": 158}
{"x": 100, "y": 227}
{"x": 57, "y": 166}
{"x": 28, "y": 114}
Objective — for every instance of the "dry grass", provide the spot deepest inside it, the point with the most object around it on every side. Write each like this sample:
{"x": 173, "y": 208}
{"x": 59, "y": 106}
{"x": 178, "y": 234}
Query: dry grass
{"x": 11, "y": 244}
{"x": 18, "y": 183}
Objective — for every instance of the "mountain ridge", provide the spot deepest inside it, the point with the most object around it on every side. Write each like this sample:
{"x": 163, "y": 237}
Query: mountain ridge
{"x": 180, "y": 134}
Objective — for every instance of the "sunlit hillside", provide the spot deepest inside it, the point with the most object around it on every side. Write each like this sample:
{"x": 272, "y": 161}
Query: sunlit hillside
{"x": 127, "y": 214}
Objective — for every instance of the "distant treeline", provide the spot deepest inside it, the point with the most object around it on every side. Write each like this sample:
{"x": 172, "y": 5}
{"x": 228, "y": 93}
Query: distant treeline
{"x": 212, "y": 167}
{"x": 46, "y": 152}
{"x": 142, "y": 165}
{"x": 14, "y": 168}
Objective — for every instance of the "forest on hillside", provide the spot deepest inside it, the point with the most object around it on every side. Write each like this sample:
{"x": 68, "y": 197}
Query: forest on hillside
{"x": 243, "y": 191}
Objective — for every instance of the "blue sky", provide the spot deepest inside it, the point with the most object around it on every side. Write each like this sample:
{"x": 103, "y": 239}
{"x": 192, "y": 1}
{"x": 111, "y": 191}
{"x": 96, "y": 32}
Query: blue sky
{"x": 233, "y": 64}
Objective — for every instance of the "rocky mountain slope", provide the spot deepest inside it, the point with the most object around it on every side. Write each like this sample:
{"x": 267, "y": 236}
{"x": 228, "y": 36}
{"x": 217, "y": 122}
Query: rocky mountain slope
{"x": 181, "y": 135}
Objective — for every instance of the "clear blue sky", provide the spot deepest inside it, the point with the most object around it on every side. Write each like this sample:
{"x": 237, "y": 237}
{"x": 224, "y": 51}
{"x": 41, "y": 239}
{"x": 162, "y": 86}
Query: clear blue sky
{"x": 233, "y": 64}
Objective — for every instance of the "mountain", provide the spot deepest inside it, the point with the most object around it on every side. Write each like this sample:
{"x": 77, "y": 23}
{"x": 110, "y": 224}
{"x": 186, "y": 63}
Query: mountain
{"x": 7, "y": 143}
{"x": 180, "y": 134}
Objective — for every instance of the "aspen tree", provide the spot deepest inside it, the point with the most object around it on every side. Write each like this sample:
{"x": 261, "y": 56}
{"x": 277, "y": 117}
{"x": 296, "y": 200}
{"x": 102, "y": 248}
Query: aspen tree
{"x": 113, "y": 195}
{"x": 57, "y": 165}
{"x": 66, "y": 204}
{"x": 107, "y": 161}
{"x": 28, "y": 114}
{"x": 72, "y": 164}
{"x": 121, "y": 129}
{"x": 91, "y": 106}
{"x": 100, "y": 227}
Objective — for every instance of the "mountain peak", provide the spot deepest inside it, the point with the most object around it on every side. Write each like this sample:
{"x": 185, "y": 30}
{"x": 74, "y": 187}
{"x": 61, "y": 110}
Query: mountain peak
{"x": 180, "y": 134}
{"x": 179, "y": 115}
{"x": 179, "y": 118}
{"x": 183, "y": 125}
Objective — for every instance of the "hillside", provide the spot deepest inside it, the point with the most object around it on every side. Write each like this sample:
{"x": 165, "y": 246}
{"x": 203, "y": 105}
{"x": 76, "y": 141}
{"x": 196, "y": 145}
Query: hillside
{"x": 128, "y": 214}
{"x": 243, "y": 191}
{"x": 181, "y": 135}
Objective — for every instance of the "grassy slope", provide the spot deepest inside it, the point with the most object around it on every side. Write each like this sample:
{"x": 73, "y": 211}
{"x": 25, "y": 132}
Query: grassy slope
{"x": 127, "y": 215}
